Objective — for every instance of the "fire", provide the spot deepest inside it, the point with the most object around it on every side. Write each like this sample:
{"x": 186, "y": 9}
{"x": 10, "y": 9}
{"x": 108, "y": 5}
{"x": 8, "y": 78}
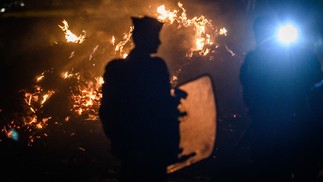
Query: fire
{"x": 32, "y": 118}
{"x": 87, "y": 98}
{"x": 85, "y": 92}
{"x": 67, "y": 74}
{"x": 71, "y": 37}
{"x": 203, "y": 30}
{"x": 166, "y": 14}
{"x": 202, "y": 27}
{"x": 125, "y": 39}
{"x": 33, "y": 98}
{"x": 46, "y": 97}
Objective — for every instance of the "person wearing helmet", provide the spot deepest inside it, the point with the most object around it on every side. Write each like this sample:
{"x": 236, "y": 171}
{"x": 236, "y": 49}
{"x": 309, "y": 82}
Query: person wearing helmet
{"x": 138, "y": 113}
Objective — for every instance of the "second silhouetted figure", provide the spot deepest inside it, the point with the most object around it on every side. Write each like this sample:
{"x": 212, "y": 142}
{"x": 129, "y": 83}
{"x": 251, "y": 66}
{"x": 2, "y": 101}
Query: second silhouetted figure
{"x": 277, "y": 82}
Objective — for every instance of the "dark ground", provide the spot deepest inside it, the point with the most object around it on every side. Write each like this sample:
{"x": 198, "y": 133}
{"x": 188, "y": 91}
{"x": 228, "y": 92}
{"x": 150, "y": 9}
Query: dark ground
{"x": 85, "y": 156}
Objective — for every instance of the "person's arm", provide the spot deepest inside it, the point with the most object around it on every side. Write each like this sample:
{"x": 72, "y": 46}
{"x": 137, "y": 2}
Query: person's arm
{"x": 164, "y": 76}
{"x": 105, "y": 110}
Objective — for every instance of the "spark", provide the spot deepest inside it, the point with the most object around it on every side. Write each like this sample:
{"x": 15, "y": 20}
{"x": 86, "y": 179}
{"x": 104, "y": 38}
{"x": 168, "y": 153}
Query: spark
{"x": 223, "y": 31}
{"x": 66, "y": 75}
{"x": 94, "y": 50}
{"x": 72, "y": 54}
{"x": 113, "y": 40}
{"x": 229, "y": 50}
{"x": 67, "y": 118}
{"x": 174, "y": 78}
{"x": 40, "y": 78}
{"x": 82, "y": 149}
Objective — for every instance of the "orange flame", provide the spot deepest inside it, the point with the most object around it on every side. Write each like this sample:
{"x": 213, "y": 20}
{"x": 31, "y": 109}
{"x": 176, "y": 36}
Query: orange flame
{"x": 201, "y": 26}
{"x": 124, "y": 41}
{"x": 86, "y": 96}
{"x": 71, "y": 37}
{"x": 166, "y": 14}
{"x": 113, "y": 40}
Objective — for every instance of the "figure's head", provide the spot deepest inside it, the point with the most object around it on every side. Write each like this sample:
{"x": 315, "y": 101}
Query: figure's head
{"x": 264, "y": 28}
{"x": 146, "y": 33}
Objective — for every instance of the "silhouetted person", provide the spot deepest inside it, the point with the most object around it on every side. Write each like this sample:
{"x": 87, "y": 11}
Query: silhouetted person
{"x": 138, "y": 112}
{"x": 276, "y": 84}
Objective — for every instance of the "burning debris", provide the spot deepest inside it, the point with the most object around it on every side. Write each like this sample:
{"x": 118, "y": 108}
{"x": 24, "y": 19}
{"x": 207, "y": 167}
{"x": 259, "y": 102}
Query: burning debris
{"x": 70, "y": 37}
{"x": 78, "y": 88}
{"x": 204, "y": 32}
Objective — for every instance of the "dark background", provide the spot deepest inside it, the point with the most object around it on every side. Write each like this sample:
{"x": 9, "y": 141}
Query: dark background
{"x": 31, "y": 42}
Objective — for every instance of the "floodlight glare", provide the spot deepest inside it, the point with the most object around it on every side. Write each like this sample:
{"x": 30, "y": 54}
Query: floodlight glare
{"x": 287, "y": 34}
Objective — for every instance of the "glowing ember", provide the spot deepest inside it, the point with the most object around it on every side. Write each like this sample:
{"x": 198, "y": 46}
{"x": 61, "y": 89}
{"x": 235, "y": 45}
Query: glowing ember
{"x": 87, "y": 98}
{"x": 70, "y": 37}
{"x": 223, "y": 31}
{"x": 46, "y": 97}
{"x": 41, "y": 77}
{"x": 174, "y": 79}
{"x": 66, "y": 75}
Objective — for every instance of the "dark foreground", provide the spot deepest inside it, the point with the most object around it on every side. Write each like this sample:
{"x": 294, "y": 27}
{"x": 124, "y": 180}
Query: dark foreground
{"x": 80, "y": 152}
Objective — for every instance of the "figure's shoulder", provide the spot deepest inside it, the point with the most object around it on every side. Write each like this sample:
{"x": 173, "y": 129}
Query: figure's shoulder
{"x": 250, "y": 56}
{"x": 158, "y": 61}
{"x": 114, "y": 64}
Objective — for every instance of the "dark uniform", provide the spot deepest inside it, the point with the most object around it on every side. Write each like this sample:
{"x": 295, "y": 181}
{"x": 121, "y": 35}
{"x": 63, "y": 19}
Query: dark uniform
{"x": 140, "y": 115}
{"x": 276, "y": 85}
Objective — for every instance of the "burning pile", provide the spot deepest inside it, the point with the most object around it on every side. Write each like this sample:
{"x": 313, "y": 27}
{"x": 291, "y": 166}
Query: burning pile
{"x": 82, "y": 90}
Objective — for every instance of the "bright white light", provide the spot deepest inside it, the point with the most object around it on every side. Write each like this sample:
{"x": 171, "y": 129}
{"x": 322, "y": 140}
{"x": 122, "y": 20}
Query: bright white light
{"x": 2, "y": 10}
{"x": 287, "y": 34}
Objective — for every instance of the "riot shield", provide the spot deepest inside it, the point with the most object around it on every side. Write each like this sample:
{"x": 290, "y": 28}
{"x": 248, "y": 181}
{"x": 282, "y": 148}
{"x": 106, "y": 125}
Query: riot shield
{"x": 198, "y": 125}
